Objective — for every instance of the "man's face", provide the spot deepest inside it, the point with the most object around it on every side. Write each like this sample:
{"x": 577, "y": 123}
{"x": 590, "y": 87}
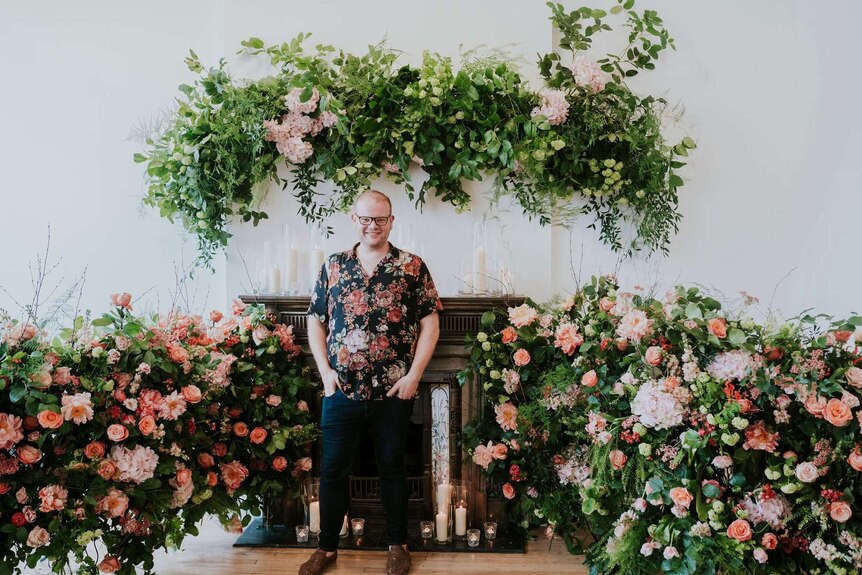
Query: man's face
{"x": 373, "y": 234}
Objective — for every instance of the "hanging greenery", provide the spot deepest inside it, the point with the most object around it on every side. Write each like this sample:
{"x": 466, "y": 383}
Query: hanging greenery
{"x": 583, "y": 144}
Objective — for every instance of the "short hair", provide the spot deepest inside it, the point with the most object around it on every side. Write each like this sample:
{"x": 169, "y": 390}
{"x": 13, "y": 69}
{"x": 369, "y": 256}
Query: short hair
{"x": 371, "y": 193}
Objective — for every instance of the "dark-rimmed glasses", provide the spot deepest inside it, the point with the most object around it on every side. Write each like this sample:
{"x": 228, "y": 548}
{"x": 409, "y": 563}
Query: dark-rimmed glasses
{"x": 380, "y": 221}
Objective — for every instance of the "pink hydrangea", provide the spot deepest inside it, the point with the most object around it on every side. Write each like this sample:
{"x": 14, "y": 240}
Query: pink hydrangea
{"x": 134, "y": 465}
{"x": 656, "y": 407}
{"x": 588, "y": 74}
{"x": 293, "y": 101}
{"x": 553, "y": 106}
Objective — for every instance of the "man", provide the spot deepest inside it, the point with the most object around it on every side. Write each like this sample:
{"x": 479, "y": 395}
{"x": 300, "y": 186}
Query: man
{"x": 372, "y": 326}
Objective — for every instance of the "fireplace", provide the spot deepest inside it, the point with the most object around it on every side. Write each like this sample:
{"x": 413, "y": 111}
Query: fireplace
{"x": 441, "y": 410}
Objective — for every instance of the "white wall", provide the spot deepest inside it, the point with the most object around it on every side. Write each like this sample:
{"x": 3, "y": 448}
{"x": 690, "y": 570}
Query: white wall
{"x": 769, "y": 89}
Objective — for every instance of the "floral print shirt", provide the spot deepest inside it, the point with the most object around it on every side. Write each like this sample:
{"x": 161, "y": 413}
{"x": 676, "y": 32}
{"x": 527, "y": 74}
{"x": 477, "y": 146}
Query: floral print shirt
{"x": 373, "y": 320}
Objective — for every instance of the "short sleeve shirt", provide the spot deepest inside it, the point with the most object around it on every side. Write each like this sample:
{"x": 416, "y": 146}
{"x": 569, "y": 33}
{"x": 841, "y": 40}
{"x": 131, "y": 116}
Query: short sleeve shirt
{"x": 373, "y": 321}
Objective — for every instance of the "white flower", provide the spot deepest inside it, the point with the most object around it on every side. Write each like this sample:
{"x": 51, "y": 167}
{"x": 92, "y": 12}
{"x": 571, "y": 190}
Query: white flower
{"x": 730, "y": 365}
{"x": 657, "y": 408}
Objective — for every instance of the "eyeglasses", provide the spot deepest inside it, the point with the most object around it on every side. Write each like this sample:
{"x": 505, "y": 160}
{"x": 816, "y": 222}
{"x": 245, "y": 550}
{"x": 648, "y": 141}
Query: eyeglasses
{"x": 380, "y": 221}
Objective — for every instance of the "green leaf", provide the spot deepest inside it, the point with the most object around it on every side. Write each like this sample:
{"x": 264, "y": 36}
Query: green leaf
{"x": 736, "y": 336}
{"x": 692, "y": 311}
{"x": 689, "y": 143}
{"x": 17, "y": 393}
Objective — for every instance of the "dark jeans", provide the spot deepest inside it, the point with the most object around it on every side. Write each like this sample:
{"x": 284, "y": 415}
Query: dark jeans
{"x": 342, "y": 421}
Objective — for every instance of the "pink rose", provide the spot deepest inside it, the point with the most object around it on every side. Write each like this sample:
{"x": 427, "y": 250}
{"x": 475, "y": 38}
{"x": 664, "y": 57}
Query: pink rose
{"x": 215, "y": 316}
{"x": 769, "y": 541}
{"x": 28, "y": 454}
{"x": 106, "y": 469}
{"x": 147, "y": 425}
{"x": 739, "y": 530}
{"x": 117, "y": 432}
{"x": 509, "y": 334}
{"x": 807, "y": 472}
{"x": 273, "y": 400}
{"x": 50, "y": 419}
{"x": 837, "y": 413}
{"x": 62, "y": 375}
{"x": 38, "y": 537}
{"x": 717, "y": 326}
{"x": 840, "y": 511}
{"x": 590, "y": 379}
{"x": 521, "y": 357}
{"x": 653, "y": 355}
{"x": 618, "y": 459}
{"x": 301, "y": 405}
{"x": 855, "y": 459}
{"x": 500, "y": 451}
{"x": 122, "y": 300}
{"x": 508, "y": 491}
{"x": 191, "y": 393}
{"x": 815, "y": 404}
{"x": 854, "y": 377}
{"x": 258, "y": 435}
{"x": 606, "y": 304}
{"x": 681, "y": 496}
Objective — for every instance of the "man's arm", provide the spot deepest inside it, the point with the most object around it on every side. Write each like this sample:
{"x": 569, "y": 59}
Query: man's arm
{"x": 317, "y": 343}
{"x": 429, "y": 332}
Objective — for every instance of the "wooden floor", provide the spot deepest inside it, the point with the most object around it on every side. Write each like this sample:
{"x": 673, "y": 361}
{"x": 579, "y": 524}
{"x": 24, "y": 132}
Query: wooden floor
{"x": 211, "y": 553}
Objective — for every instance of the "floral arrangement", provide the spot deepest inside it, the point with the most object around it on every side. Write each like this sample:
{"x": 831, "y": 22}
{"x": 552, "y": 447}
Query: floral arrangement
{"x": 584, "y": 143}
{"x": 121, "y": 434}
{"x": 685, "y": 438}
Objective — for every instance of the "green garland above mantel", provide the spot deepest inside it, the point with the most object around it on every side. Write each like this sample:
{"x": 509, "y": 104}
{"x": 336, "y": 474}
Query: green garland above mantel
{"x": 583, "y": 144}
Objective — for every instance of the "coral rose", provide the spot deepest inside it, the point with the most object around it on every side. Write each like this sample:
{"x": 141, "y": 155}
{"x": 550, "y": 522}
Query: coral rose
{"x": 508, "y": 491}
{"x": 653, "y": 355}
{"x": 521, "y": 357}
{"x": 258, "y": 435}
{"x": 854, "y": 377}
{"x": 122, "y": 300}
{"x": 240, "y": 429}
{"x": 769, "y": 541}
{"x": 29, "y": 454}
{"x": 107, "y": 469}
{"x": 94, "y": 450}
{"x": 38, "y": 537}
{"x": 109, "y": 564}
{"x": 815, "y": 404}
{"x": 590, "y": 379}
{"x": 509, "y": 334}
{"x": 837, "y": 413}
{"x": 681, "y": 496}
{"x": 205, "y": 460}
{"x": 215, "y": 316}
{"x": 279, "y": 463}
{"x": 739, "y": 530}
{"x": 50, "y": 419}
{"x": 147, "y": 424}
{"x": 191, "y": 393}
{"x": 717, "y": 326}
{"x": 500, "y": 451}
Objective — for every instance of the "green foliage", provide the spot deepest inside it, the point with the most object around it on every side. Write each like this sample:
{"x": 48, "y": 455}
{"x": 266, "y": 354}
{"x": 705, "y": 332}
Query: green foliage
{"x": 213, "y": 163}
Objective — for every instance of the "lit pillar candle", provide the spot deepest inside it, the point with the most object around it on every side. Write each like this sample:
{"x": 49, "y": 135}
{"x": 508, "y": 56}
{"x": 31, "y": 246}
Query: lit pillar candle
{"x": 314, "y": 516}
{"x": 460, "y": 519}
{"x": 443, "y": 494}
{"x": 442, "y": 526}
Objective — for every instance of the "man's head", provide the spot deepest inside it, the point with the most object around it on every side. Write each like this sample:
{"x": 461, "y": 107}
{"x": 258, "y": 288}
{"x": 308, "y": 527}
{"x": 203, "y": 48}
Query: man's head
{"x": 372, "y": 218}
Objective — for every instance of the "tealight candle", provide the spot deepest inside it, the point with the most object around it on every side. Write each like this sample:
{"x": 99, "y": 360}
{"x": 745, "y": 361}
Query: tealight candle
{"x": 426, "y": 529}
{"x": 358, "y": 525}
{"x": 302, "y": 533}
{"x": 473, "y": 537}
{"x": 490, "y": 530}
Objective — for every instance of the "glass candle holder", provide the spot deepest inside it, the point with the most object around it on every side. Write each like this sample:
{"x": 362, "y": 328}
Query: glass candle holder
{"x": 473, "y": 537}
{"x": 357, "y": 525}
{"x": 426, "y": 529}
{"x": 461, "y": 496}
{"x": 312, "y": 505}
{"x": 490, "y": 530}
{"x": 302, "y": 533}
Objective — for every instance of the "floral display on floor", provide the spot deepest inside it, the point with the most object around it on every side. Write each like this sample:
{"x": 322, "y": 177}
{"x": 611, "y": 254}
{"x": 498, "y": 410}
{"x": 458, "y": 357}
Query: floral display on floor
{"x": 584, "y": 143}
{"x": 684, "y": 438}
{"x": 126, "y": 431}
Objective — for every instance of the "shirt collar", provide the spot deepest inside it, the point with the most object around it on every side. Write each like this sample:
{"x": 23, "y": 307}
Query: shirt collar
{"x": 393, "y": 252}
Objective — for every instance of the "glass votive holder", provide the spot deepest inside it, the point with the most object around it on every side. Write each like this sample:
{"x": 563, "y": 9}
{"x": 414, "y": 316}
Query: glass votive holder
{"x": 473, "y": 537}
{"x": 426, "y": 529}
{"x": 490, "y": 530}
{"x": 302, "y": 533}
{"x": 357, "y": 525}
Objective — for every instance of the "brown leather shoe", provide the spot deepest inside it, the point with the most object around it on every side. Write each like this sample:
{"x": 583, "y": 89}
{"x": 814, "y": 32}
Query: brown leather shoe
{"x": 398, "y": 562}
{"x": 317, "y": 563}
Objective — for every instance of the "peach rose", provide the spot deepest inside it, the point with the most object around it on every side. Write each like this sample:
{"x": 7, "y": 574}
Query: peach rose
{"x": 114, "y": 504}
{"x": 233, "y": 474}
{"x": 240, "y": 429}
{"x": 302, "y": 405}
{"x": 522, "y": 315}
{"x": 109, "y": 564}
{"x": 258, "y": 435}
{"x": 191, "y": 393}
{"x": 29, "y": 454}
{"x": 279, "y": 463}
{"x": 50, "y": 419}
{"x": 509, "y": 334}
{"x": 184, "y": 476}
{"x": 5, "y": 488}
{"x": 38, "y": 537}
{"x": 769, "y": 541}
{"x": 107, "y": 469}
{"x": 855, "y": 459}
{"x": 854, "y": 377}
{"x": 304, "y": 463}
{"x": 622, "y": 344}
{"x": 147, "y": 424}
{"x": 500, "y": 451}
{"x": 590, "y": 379}
{"x": 212, "y": 479}
{"x": 717, "y": 326}
{"x": 117, "y": 432}
{"x": 653, "y": 355}
{"x": 62, "y": 375}
{"x": 215, "y": 316}
{"x": 815, "y": 404}
{"x": 94, "y": 450}
{"x": 837, "y": 413}
{"x": 739, "y": 530}
{"x": 521, "y": 357}
{"x": 840, "y": 511}
{"x": 122, "y": 300}
{"x": 807, "y": 472}
{"x": 205, "y": 460}
{"x": 606, "y": 304}
{"x": 618, "y": 459}
{"x": 681, "y": 496}
{"x": 508, "y": 491}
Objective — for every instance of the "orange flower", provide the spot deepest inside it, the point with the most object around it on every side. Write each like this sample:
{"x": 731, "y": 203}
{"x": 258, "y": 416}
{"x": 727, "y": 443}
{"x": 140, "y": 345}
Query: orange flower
{"x": 717, "y": 326}
{"x": 50, "y": 419}
{"x": 837, "y": 413}
{"x": 739, "y": 530}
{"x": 618, "y": 459}
{"x": 147, "y": 424}
{"x": 258, "y": 435}
{"x": 521, "y": 357}
{"x": 509, "y": 334}
{"x": 240, "y": 429}
{"x": 94, "y": 450}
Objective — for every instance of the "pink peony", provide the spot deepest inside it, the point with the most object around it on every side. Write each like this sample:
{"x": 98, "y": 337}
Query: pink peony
{"x": 634, "y": 326}
{"x": 53, "y": 498}
{"x": 507, "y": 416}
{"x": 483, "y": 455}
{"x": 10, "y": 430}
{"x": 114, "y": 504}
{"x": 522, "y": 315}
{"x": 567, "y": 338}
{"x": 38, "y": 537}
{"x": 77, "y": 408}
{"x": 172, "y": 406}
